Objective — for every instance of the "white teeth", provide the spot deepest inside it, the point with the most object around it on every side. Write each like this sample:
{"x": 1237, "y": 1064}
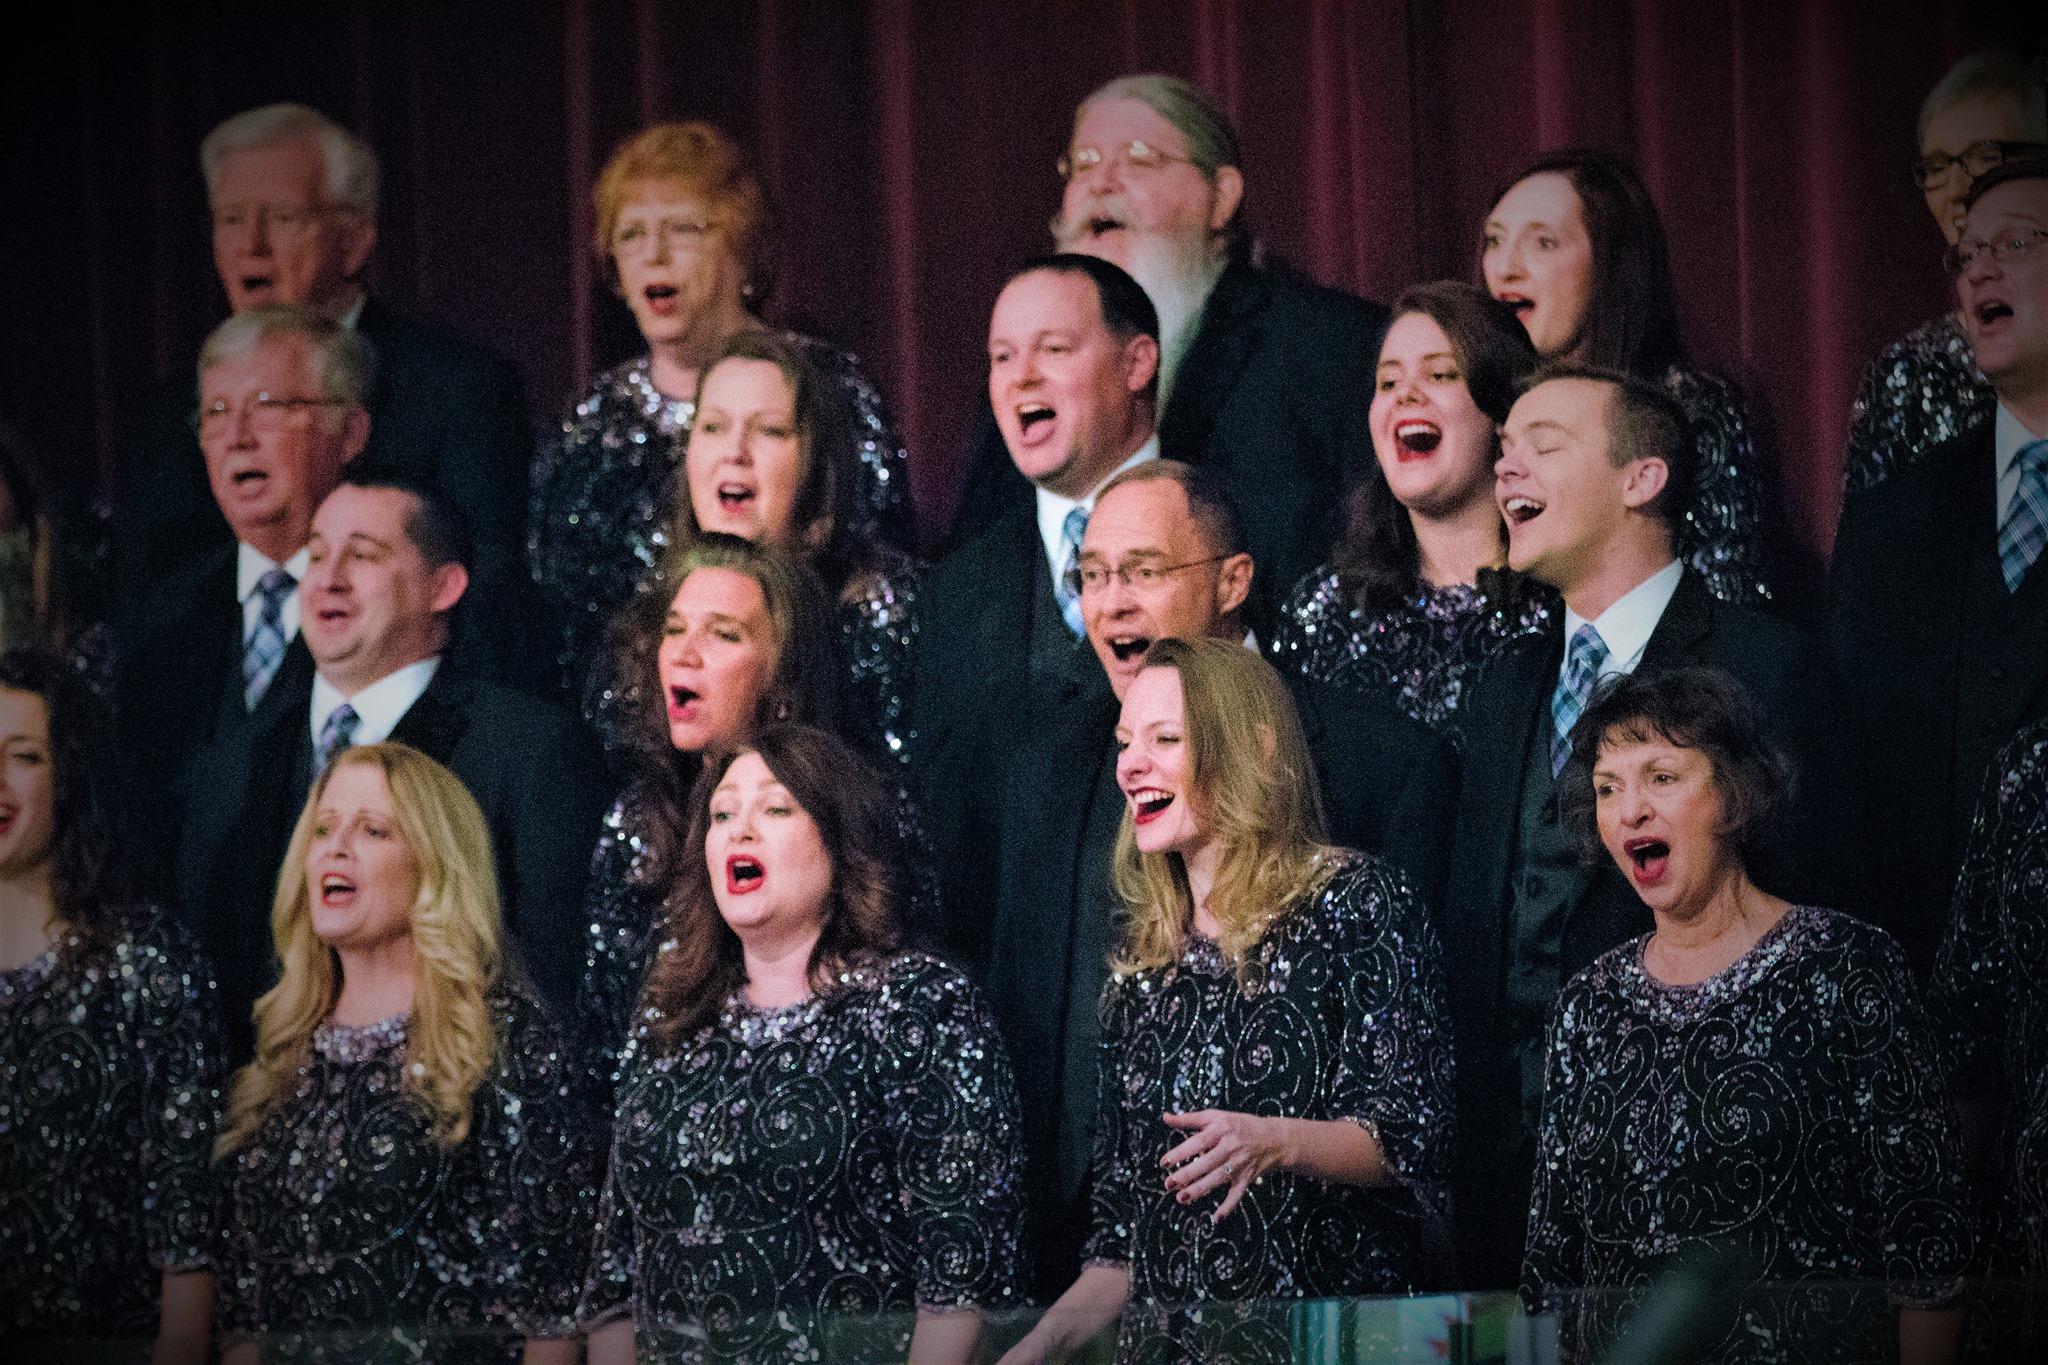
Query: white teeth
{"x": 1520, "y": 508}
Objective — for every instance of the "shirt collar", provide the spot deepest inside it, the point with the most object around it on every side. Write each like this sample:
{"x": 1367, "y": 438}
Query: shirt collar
{"x": 1626, "y": 626}
{"x": 1053, "y": 509}
{"x": 380, "y": 706}
{"x": 251, "y": 564}
{"x": 353, "y": 318}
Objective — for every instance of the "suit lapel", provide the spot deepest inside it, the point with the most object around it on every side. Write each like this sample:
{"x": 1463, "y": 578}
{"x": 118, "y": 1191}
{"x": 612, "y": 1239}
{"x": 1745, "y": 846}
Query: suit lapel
{"x": 1224, "y": 342}
{"x": 1679, "y": 637}
{"x": 436, "y": 722}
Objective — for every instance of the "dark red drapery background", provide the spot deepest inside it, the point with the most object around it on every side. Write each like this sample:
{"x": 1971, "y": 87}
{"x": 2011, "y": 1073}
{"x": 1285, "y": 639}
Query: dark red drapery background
{"x": 911, "y": 146}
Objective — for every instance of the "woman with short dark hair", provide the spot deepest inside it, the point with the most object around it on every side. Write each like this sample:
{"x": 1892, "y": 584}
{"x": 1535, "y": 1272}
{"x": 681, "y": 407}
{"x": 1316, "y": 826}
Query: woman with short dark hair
{"x": 812, "y": 1121}
{"x": 1752, "y": 1077}
{"x": 1574, "y": 245}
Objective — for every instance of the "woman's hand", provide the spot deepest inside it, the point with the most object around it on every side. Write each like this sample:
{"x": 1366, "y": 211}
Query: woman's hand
{"x": 1226, "y": 1149}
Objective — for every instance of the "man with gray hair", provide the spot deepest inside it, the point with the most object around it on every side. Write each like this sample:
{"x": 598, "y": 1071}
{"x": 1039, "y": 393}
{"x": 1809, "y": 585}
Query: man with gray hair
{"x": 293, "y": 197}
{"x": 202, "y": 649}
{"x": 1265, "y": 377}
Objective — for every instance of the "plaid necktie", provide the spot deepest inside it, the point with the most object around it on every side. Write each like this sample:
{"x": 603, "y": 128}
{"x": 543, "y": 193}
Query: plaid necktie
{"x": 1582, "y": 661}
{"x": 2025, "y": 530}
{"x": 337, "y": 732}
{"x": 1068, "y": 586}
{"x": 263, "y": 650}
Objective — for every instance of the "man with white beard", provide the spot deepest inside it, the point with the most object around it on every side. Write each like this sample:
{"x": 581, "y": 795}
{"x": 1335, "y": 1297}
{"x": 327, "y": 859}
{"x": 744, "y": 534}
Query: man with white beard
{"x": 1265, "y": 377}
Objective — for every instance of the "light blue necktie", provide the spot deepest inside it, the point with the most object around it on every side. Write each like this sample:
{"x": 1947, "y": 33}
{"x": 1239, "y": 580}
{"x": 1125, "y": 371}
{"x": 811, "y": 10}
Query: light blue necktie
{"x": 2025, "y": 530}
{"x": 1582, "y": 663}
{"x": 337, "y": 732}
{"x": 1067, "y": 587}
{"x": 263, "y": 650}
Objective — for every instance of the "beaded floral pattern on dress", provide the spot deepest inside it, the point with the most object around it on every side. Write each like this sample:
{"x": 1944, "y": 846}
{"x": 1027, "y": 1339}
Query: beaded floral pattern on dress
{"x": 1341, "y": 1016}
{"x": 1422, "y": 657}
{"x": 856, "y": 1153}
{"x": 1922, "y": 390}
{"x": 1723, "y": 535}
{"x": 349, "y": 1224}
{"x": 110, "y": 1090}
{"x": 1790, "y": 1106}
{"x": 604, "y": 495}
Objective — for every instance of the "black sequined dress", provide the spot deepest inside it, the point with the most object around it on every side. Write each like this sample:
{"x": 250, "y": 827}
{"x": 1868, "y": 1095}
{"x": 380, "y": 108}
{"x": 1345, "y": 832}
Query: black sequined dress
{"x": 1422, "y": 656}
{"x": 1789, "y": 1107}
{"x": 111, "y": 1068}
{"x": 1990, "y": 999}
{"x": 1723, "y": 538}
{"x": 1922, "y": 390}
{"x": 1341, "y": 1016}
{"x": 352, "y": 1236}
{"x": 604, "y": 495}
{"x": 856, "y": 1153}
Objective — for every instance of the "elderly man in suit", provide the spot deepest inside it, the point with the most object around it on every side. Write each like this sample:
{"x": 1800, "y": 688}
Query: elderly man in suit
{"x": 1265, "y": 377}
{"x": 387, "y": 567}
{"x": 294, "y": 203}
{"x": 1939, "y": 601}
{"x": 213, "y": 646}
{"x": 1164, "y": 555}
{"x": 1595, "y": 469}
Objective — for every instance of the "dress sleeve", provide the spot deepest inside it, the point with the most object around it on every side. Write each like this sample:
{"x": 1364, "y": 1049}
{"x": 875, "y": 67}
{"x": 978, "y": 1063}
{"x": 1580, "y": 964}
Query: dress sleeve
{"x": 1394, "y": 1060}
{"x": 541, "y": 1159}
{"x": 1973, "y": 975}
{"x": 180, "y": 1047}
{"x": 1913, "y": 1155}
{"x": 1554, "y": 1256}
{"x": 1292, "y": 648}
{"x": 1113, "y": 1179}
{"x": 1723, "y": 535}
{"x": 951, "y": 1103}
{"x": 613, "y": 1262}
{"x": 883, "y": 478}
{"x": 618, "y": 922}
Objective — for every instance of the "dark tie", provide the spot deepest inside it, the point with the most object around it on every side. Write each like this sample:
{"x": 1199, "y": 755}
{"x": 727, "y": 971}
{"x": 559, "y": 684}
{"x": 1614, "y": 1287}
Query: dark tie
{"x": 2025, "y": 529}
{"x": 263, "y": 650}
{"x": 1582, "y": 663}
{"x": 336, "y": 734}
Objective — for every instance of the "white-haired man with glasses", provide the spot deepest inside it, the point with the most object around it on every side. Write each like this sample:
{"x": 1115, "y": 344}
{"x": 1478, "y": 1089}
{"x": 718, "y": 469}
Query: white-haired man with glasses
{"x": 1939, "y": 597}
{"x": 1264, "y": 376}
{"x": 292, "y": 202}
{"x": 207, "y": 647}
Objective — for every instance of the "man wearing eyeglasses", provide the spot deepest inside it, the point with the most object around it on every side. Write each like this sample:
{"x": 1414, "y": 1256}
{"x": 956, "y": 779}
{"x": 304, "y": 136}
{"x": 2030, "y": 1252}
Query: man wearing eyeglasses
{"x": 1939, "y": 599}
{"x": 1164, "y": 555}
{"x": 214, "y": 645}
{"x": 1261, "y": 371}
{"x": 292, "y": 199}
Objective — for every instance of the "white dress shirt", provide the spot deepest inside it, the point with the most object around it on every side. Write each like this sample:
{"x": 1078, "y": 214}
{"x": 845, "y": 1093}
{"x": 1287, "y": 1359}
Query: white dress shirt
{"x": 250, "y": 566}
{"x": 2008, "y": 435}
{"x": 1626, "y": 626}
{"x": 1053, "y": 509}
{"x": 380, "y": 706}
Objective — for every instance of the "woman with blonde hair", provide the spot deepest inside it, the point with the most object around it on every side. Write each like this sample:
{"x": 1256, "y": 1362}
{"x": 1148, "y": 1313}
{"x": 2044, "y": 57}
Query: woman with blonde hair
{"x": 685, "y": 234}
{"x": 1275, "y": 1111}
{"x": 410, "y": 1154}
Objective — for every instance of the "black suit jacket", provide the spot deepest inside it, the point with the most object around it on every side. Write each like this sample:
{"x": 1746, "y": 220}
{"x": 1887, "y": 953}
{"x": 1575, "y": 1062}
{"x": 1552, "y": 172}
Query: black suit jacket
{"x": 1272, "y": 394}
{"x": 178, "y": 689}
{"x": 536, "y": 774}
{"x": 1931, "y": 702}
{"x": 1792, "y": 685}
{"x": 969, "y": 699}
{"x": 442, "y": 410}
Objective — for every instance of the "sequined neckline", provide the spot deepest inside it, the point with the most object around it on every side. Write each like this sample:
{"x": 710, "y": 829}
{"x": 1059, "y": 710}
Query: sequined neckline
{"x": 671, "y": 414}
{"x": 1759, "y": 961}
{"x": 350, "y": 1043}
{"x": 32, "y": 973}
{"x": 752, "y": 1024}
{"x": 1447, "y": 597}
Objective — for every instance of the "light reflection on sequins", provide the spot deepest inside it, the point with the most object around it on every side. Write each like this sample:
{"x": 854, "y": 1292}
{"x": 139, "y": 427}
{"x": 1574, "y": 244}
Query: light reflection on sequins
{"x": 1341, "y": 1017}
{"x": 1791, "y": 1105}
{"x": 110, "y": 1075}
{"x": 344, "y": 1215}
{"x": 854, "y": 1153}
{"x": 1922, "y": 390}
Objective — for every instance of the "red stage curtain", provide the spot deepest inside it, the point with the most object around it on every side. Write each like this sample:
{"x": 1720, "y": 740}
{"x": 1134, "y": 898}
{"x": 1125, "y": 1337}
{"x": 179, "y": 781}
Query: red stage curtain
{"x": 911, "y": 147}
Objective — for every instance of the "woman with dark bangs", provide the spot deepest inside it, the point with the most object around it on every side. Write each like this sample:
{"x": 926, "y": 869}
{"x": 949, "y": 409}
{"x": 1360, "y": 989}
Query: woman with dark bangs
{"x": 812, "y": 1122}
{"x": 110, "y": 1053}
